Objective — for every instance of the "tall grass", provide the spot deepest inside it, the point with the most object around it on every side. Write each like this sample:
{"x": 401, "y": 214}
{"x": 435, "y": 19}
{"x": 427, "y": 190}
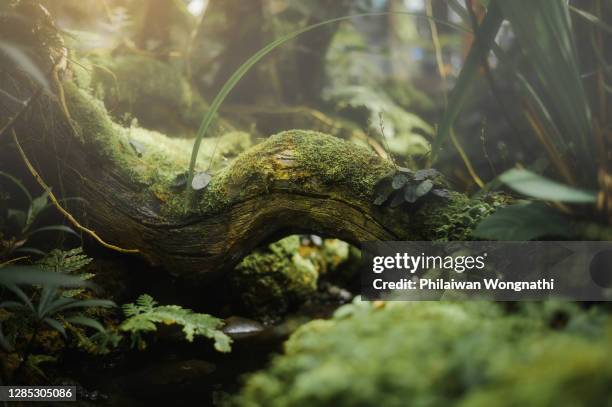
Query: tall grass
{"x": 553, "y": 97}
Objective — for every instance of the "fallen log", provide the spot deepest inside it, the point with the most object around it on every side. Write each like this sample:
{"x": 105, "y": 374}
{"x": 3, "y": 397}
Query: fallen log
{"x": 295, "y": 181}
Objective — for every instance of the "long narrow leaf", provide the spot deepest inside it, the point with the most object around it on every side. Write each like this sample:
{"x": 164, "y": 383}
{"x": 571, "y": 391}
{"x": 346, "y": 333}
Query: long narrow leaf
{"x": 592, "y": 19}
{"x": 19, "y": 184}
{"x": 55, "y": 228}
{"x": 544, "y": 32}
{"x": 85, "y": 321}
{"x": 60, "y": 302}
{"x": 31, "y": 275}
{"x": 86, "y": 304}
{"x": 21, "y": 295}
{"x": 537, "y": 186}
{"x": 47, "y": 297}
{"x": 4, "y": 343}
{"x": 249, "y": 63}
{"x": 485, "y": 38}
{"x": 56, "y": 325}
{"x": 30, "y": 250}
{"x": 12, "y": 305}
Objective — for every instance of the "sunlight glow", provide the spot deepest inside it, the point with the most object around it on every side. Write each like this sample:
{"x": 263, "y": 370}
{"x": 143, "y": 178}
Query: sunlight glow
{"x": 197, "y": 7}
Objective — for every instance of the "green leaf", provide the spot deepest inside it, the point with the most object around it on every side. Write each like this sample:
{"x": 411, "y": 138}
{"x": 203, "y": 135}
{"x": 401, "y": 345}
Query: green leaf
{"x": 47, "y": 296}
{"x": 33, "y": 275}
{"x": 410, "y": 193}
{"x": 36, "y": 207}
{"x": 17, "y": 217}
{"x": 537, "y": 186}
{"x": 66, "y": 261}
{"x": 480, "y": 49}
{"x": 55, "y": 228}
{"x": 85, "y": 321}
{"x": 424, "y": 188}
{"x": 18, "y": 183}
{"x": 592, "y": 19}
{"x": 145, "y": 314}
{"x": 56, "y": 325}
{"x": 522, "y": 222}
{"x": 4, "y": 342}
{"x": 94, "y": 303}
{"x": 12, "y": 305}
{"x": 22, "y": 296}
{"x": 399, "y": 180}
{"x": 30, "y": 250}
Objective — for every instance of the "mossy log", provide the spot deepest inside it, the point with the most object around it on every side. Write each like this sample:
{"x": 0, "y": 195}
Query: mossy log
{"x": 295, "y": 181}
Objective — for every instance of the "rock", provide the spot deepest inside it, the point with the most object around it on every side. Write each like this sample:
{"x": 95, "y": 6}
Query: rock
{"x": 240, "y": 328}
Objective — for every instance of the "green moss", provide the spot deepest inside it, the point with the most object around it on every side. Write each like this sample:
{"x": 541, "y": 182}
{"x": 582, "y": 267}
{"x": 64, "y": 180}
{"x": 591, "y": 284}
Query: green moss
{"x": 452, "y": 219}
{"x": 148, "y": 158}
{"x": 272, "y": 279}
{"x": 438, "y": 354}
{"x": 153, "y": 91}
{"x": 309, "y": 159}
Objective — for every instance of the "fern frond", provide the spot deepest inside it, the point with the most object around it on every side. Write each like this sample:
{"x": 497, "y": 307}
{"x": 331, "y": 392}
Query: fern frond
{"x": 145, "y": 314}
{"x": 69, "y": 261}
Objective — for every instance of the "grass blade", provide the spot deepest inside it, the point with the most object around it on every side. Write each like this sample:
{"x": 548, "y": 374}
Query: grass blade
{"x": 482, "y": 45}
{"x": 55, "y": 228}
{"x": 85, "y": 321}
{"x": 55, "y": 324}
{"x": 17, "y": 183}
{"x": 592, "y": 19}
{"x": 249, "y": 63}
{"x": 544, "y": 32}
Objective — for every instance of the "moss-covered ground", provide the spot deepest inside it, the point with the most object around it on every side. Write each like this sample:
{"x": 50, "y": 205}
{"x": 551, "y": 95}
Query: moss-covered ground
{"x": 440, "y": 354}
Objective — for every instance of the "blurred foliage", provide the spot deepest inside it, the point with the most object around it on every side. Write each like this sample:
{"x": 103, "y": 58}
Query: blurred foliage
{"x": 438, "y": 354}
{"x": 19, "y": 226}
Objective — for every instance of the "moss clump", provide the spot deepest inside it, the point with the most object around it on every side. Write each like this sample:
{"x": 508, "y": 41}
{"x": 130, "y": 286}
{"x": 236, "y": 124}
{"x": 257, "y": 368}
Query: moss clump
{"x": 439, "y": 354}
{"x": 338, "y": 162}
{"x": 272, "y": 279}
{"x": 153, "y": 91}
{"x": 454, "y": 218}
{"x": 148, "y": 158}
{"x": 304, "y": 159}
